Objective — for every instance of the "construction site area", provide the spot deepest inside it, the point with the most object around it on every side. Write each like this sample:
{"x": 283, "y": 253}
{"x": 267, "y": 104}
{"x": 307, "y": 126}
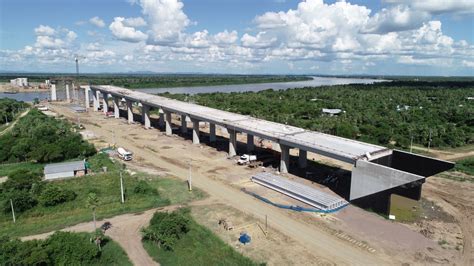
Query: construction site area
{"x": 295, "y": 215}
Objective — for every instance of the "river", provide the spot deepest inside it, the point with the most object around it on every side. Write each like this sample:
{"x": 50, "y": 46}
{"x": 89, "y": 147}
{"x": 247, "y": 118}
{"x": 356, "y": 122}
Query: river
{"x": 315, "y": 82}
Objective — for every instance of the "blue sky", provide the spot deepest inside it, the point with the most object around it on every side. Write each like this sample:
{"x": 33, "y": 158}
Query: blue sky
{"x": 390, "y": 37}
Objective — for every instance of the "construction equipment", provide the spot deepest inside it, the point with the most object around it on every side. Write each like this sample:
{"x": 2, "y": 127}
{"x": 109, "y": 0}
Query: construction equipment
{"x": 124, "y": 154}
{"x": 227, "y": 225}
{"x": 246, "y": 159}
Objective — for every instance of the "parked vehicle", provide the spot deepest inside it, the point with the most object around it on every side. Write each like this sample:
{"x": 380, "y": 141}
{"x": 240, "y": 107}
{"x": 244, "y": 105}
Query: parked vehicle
{"x": 246, "y": 159}
{"x": 124, "y": 154}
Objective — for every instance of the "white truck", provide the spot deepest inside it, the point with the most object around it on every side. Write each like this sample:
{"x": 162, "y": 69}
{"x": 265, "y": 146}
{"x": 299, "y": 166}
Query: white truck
{"x": 246, "y": 159}
{"x": 124, "y": 154}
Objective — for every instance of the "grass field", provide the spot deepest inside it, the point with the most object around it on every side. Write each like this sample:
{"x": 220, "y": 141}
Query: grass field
{"x": 199, "y": 246}
{"x": 6, "y": 169}
{"x": 107, "y": 187}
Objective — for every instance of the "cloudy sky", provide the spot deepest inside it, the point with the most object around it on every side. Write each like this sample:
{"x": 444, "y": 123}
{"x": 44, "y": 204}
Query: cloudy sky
{"x": 391, "y": 37}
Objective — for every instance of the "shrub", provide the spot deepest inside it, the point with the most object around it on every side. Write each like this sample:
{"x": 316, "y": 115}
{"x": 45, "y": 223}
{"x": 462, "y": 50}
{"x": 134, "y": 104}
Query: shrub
{"x": 22, "y": 201}
{"x": 142, "y": 187}
{"x": 67, "y": 248}
{"x": 53, "y": 195}
{"x": 21, "y": 180}
{"x": 167, "y": 228}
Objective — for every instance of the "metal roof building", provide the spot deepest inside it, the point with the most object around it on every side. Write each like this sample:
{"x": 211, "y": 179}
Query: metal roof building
{"x": 64, "y": 170}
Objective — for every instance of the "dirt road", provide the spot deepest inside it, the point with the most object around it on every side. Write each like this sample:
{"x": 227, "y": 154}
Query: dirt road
{"x": 148, "y": 147}
{"x": 14, "y": 122}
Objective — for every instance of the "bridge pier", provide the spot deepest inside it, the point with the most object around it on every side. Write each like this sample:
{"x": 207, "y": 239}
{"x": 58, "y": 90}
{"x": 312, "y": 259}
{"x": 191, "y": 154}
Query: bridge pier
{"x": 161, "y": 120}
{"x": 146, "y": 115}
{"x": 116, "y": 107}
{"x": 250, "y": 143}
{"x": 232, "y": 142}
{"x": 169, "y": 130}
{"x": 95, "y": 101}
{"x": 129, "y": 111}
{"x": 302, "y": 159}
{"x": 86, "y": 97}
{"x": 285, "y": 159}
{"x": 105, "y": 102}
{"x": 68, "y": 96}
{"x": 53, "y": 93}
{"x": 184, "y": 125}
{"x": 195, "y": 130}
{"x": 212, "y": 132}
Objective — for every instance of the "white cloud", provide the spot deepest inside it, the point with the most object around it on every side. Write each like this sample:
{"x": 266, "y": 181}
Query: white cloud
{"x": 135, "y": 22}
{"x": 439, "y": 6}
{"x": 397, "y": 18}
{"x": 45, "y": 30}
{"x": 166, "y": 19}
{"x": 468, "y": 63}
{"x": 97, "y": 22}
{"x": 124, "y": 33}
{"x": 226, "y": 37}
{"x": 261, "y": 40}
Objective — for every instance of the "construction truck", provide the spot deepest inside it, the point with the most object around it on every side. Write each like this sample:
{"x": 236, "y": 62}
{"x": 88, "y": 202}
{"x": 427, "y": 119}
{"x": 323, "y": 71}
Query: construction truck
{"x": 124, "y": 154}
{"x": 246, "y": 159}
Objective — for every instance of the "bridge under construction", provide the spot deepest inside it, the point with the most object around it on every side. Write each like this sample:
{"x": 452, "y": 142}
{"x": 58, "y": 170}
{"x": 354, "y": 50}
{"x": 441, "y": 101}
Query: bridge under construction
{"x": 377, "y": 171}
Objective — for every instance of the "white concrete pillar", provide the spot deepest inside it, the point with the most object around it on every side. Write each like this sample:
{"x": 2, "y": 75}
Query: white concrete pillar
{"x": 232, "y": 142}
{"x": 195, "y": 131}
{"x": 95, "y": 101}
{"x": 130, "y": 111}
{"x": 285, "y": 159}
{"x": 250, "y": 143}
{"x": 97, "y": 95}
{"x": 169, "y": 130}
{"x": 184, "y": 125}
{"x": 86, "y": 97}
{"x": 212, "y": 132}
{"x": 302, "y": 159}
{"x": 116, "y": 107}
{"x": 68, "y": 96}
{"x": 161, "y": 120}
{"x": 146, "y": 115}
{"x": 105, "y": 102}
{"x": 53, "y": 93}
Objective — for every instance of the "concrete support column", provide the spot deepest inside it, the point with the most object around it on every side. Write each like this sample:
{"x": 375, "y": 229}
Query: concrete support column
{"x": 129, "y": 111}
{"x": 116, "y": 107}
{"x": 212, "y": 132}
{"x": 105, "y": 102}
{"x": 184, "y": 125}
{"x": 195, "y": 131}
{"x": 68, "y": 96}
{"x": 250, "y": 143}
{"x": 97, "y": 95}
{"x": 169, "y": 130}
{"x": 95, "y": 101}
{"x": 302, "y": 159}
{"x": 146, "y": 115}
{"x": 161, "y": 120}
{"x": 86, "y": 96}
{"x": 285, "y": 159}
{"x": 232, "y": 142}
{"x": 53, "y": 93}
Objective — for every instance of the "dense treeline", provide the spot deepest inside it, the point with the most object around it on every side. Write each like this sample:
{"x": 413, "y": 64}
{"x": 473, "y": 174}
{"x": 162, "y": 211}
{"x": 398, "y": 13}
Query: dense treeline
{"x": 165, "y": 80}
{"x": 9, "y": 108}
{"x": 389, "y": 113}
{"x": 61, "y": 248}
{"x": 36, "y": 137}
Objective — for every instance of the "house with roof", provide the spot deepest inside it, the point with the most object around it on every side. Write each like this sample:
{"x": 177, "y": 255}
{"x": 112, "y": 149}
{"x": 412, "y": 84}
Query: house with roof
{"x": 65, "y": 170}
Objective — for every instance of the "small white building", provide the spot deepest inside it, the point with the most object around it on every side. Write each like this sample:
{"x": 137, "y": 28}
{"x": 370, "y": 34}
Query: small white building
{"x": 19, "y": 82}
{"x": 64, "y": 170}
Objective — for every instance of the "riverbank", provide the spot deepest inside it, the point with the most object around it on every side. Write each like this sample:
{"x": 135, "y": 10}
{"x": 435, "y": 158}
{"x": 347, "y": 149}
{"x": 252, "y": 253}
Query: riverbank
{"x": 7, "y": 88}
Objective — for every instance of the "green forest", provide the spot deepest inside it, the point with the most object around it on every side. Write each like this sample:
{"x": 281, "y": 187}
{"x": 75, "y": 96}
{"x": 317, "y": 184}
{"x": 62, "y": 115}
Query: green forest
{"x": 388, "y": 113}
{"x": 39, "y": 138}
{"x": 9, "y": 109}
{"x": 135, "y": 81}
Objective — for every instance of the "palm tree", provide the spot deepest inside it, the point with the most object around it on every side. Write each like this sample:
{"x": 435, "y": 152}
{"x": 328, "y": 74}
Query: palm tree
{"x": 93, "y": 203}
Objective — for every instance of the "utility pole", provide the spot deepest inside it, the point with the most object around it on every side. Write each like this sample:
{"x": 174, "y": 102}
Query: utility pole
{"x": 411, "y": 144}
{"x": 121, "y": 187}
{"x": 190, "y": 185}
{"x": 13, "y": 211}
